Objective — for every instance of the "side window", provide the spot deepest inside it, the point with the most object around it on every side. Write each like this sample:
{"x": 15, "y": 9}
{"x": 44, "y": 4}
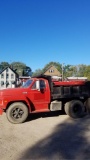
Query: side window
{"x": 42, "y": 84}
{"x": 34, "y": 85}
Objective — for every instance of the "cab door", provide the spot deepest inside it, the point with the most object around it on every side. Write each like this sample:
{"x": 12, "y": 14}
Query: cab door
{"x": 40, "y": 98}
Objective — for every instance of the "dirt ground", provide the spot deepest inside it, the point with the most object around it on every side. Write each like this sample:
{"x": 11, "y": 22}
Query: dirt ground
{"x": 44, "y": 137}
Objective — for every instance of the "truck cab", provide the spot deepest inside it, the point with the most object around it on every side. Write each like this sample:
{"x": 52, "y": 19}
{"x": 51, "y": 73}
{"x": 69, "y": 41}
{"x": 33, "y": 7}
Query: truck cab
{"x": 38, "y": 94}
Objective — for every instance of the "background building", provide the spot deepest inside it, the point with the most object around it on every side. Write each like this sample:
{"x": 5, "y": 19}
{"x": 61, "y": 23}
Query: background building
{"x": 52, "y": 71}
{"x": 8, "y": 78}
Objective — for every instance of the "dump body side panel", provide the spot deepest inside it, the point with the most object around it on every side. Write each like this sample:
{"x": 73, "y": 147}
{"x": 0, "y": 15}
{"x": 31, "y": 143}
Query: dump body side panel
{"x": 71, "y": 91}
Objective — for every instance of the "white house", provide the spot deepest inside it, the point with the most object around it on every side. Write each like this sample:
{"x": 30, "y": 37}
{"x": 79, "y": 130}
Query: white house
{"x": 8, "y": 78}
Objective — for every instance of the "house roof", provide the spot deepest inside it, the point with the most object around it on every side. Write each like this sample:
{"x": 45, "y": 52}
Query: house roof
{"x": 9, "y": 68}
{"x": 50, "y": 67}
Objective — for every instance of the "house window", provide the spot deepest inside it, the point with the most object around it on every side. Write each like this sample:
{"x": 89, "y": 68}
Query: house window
{"x": 2, "y": 83}
{"x": 7, "y": 83}
{"x": 12, "y": 76}
{"x": 7, "y": 75}
{"x": 51, "y": 70}
{"x": 2, "y": 75}
{"x": 7, "y": 70}
{"x": 13, "y": 82}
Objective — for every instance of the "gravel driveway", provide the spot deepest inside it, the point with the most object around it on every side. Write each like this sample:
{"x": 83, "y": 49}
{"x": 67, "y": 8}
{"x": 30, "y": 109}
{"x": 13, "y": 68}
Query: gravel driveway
{"x": 44, "y": 137}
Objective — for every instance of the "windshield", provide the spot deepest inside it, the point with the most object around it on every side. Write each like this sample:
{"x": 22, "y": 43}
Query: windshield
{"x": 27, "y": 83}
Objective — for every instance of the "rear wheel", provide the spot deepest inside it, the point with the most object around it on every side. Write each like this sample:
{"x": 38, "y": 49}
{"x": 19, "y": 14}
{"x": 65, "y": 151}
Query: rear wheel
{"x": 17, "y": 112}
{"x": 75, "y": 109}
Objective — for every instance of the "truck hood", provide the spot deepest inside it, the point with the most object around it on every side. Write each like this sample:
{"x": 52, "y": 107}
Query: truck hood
{"x": 13, "y": 91}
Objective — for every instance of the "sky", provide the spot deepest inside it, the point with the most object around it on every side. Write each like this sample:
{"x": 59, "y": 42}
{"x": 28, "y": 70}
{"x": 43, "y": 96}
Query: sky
{"x": 37, "y": 32}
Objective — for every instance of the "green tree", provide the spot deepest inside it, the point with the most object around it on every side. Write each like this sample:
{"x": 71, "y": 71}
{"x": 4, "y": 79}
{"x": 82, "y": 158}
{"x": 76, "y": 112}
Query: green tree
{"x": 37, "y": 72}
{"x": 87, "y": 72}
{"x": 41, "y": 71}
{"x": 27, "y": 71}
{"x": 81, "y": 70}
{"x": 21, "y": 68}
{"x": 3, "y": 65}
{"x": 70, "y": 70}
{"x": 56, "y": 64}
{"x": 17, "y": 65}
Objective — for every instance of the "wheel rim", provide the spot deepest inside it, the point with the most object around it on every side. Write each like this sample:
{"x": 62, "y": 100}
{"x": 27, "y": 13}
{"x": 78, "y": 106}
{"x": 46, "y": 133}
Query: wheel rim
{"x": 17, "y": 113}
{"x": 77, "y": 109}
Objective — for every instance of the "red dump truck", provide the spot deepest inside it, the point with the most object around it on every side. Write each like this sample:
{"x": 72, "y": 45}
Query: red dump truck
{"x": 42, "y": 94}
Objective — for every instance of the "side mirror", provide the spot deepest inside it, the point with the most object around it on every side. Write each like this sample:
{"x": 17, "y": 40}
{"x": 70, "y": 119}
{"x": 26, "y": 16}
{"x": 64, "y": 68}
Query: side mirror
{"x": 38, "y": 85}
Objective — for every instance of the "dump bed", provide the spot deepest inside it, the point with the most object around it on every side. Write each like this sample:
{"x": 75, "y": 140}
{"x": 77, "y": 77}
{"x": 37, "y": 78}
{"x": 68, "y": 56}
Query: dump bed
{"x": 70, "y": 89}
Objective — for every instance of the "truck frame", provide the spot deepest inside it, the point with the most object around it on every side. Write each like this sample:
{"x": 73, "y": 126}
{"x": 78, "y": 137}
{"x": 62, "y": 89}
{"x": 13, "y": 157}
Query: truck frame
{"x": 42, "y": 94}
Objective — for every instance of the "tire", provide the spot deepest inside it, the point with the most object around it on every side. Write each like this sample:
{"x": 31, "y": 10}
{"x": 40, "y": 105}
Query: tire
{"x": 17, "y": 112}
{"x": 75, "y": 109}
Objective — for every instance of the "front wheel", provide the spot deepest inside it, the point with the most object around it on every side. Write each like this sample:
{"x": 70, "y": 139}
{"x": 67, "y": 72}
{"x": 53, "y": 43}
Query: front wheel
{"x": 17, "y": 112}
{"x": 75, "y": 109}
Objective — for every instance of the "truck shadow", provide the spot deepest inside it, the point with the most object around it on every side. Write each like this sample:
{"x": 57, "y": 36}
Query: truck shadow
{"x": 35, "y": 116}
{"x": 68, "y": 140}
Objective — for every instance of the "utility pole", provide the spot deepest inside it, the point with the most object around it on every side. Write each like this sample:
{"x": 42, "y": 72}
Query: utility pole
{"x": 62, "y": 71}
